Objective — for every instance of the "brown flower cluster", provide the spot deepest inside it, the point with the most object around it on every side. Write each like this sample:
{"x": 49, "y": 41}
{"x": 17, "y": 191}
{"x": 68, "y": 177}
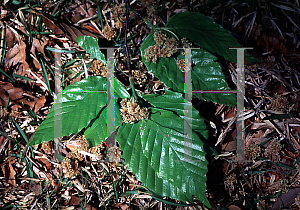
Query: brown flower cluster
{"x": 230, "y": 181}
{"x": 184, "y": 43}
{"x": 98, "y": 150}
{"x": 164, "y": 47}
{"x": 283, "y": 185}
{"x": 70, "y": 165}
{"x": 160, "y": 38}
{"x": 3, "y": 112}
{"x": 280, "y": 103}
{"x": 253, "y": 151}
{"x": 181, "y": 64}
{"x": 99, "y": 68}
{"x": 108, "y": 32}
{"x": 119, "y": 16}
{"x": 272, "y": 150}
{"x": 131, "y": 111}
{"x": 139, "y": 76}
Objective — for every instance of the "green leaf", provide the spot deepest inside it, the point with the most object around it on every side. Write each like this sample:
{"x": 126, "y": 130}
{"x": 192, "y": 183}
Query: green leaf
{"x": 209, "y": 35}
{"x": 90, "y": 45}
{"x": 19, "y": 129}
{"x": 81, "y": 105}
{"x": 207, "y": 74}
{"x": 154, "y": 150}
{"x": 173, "y": 101}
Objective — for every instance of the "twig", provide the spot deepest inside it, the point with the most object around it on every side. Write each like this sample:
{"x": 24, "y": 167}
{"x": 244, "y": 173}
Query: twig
{"x": 127, "y": 53}
{"x": 125, "y": 43}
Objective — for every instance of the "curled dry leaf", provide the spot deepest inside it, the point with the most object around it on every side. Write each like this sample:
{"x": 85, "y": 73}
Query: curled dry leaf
{"x": 9, "y": 171}
{"x": 86, "y": 10}
{"x": 51, "y": 25}
{"x": 10, "y": 38}
{"x": 38, "y": 45}
{"x": 17, "y": 98}
{"x": 69, "y": 30}
{"x": 17, "y": 55}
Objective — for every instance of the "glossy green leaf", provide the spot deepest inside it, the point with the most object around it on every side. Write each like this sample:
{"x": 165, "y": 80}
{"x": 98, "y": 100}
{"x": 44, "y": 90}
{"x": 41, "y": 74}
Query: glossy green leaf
{"x": 95, "y": 132}
{"x": 207, "y": 74}
{"x": 90, "y": 45}
{"x": 155, "y": 150}
{"x": 81, "y": 104}
{"x": 209, "y": 35}
{"x": 173, "y": 101}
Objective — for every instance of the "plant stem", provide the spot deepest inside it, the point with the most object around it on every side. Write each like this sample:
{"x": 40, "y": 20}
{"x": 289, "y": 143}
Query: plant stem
{"x": 127, "y": 53}
{"x": 132, "y": 88}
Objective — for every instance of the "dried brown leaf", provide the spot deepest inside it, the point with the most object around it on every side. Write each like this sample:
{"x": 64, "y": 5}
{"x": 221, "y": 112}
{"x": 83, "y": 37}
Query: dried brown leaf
{"x": 8, "y": 171}
{"x": 72, "y": 32}
{"x": 17, "y": 55}
{"x": 38, "y": 45}
{"x": 17, "y": 98}
{"x": 10, "y": 38}
{"x": 51, "y": 25}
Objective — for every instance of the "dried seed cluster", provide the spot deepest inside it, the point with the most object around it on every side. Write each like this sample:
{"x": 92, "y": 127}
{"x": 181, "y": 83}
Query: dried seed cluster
{"x": 119, "y": 16}
{"x": 83, "y": 145}
{"x": 108, "y": 32}
{"x": 229, "y": 182}
{"x": 283, "y": 185}
{"x": 131, "y": 111}
{"x": 70, "y": 164}
{"x": 70, "y": 167}
{"x": 280, "y": 103}
{"x": 139, "y": 77}
{"x": 231, "y": 179}
{"x": 160, "y": 38}
{"x": 181, "y": 64}
{"x": 184, "y": 43}
{"x": 99, "y": 68}
{"x": 98, "y": 150}
{"x": 164, "y": 47}
{"x": 3, "y": 112}
{"x": 272, "y": 150}
{"x": 253, "y": 151}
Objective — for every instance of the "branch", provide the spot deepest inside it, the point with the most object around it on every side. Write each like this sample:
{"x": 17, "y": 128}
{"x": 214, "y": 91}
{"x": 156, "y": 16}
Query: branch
{"x": 127, "y": 53}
